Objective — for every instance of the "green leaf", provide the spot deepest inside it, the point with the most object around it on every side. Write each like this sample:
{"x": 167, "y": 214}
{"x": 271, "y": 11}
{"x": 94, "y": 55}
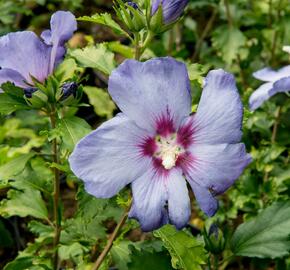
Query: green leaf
{"x": 66, "y": 69}
{"x": 196, "y": 72}
{"x": 15, "y": 166}
{"x": 41, "y": 229}
{"x": 72, "y": 252}
{"x": 144, "y": 260}
{"x": 9, "y": 105}
{"x": 120, "y": 253}
{"x": 186, "y": 252}
{"x": 87, "y": 225}
{"x": 98, "y": 57}
{"x": 104, "y": 19}
{"x": 23, "y": 201}
{"x": 227, "y": 41}
{"x": 72, "y": 130}
{"x": 27, "y": 262}
{"x": 100, "y": 99}
{"x": 265, "y": 236}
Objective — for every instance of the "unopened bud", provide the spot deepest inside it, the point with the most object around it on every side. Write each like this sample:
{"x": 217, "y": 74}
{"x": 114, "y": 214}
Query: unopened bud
{"x": 214, "y": 240}
{"x": 68, "y": 89}
{"x": 29, "y": 91}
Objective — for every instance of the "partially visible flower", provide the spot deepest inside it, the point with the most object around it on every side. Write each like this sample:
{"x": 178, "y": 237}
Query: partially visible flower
{"x": 276, "y": 81}
{"x": 133, "y": 5}
{"x": 29, "y": 91}
{"x": 156, "y": 144}
{"x": 171, "y": 9}
{"x": 24, "y": 56}
{"x": 68, "y": 89}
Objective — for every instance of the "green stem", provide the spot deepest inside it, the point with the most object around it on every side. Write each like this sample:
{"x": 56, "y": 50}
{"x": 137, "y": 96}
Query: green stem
{"x": 208, "y": 262}
{"x": 110, "y": 241}
{"x": 137, "y": 46}
{"x": 204, "y": 35}
{"x": 270, "y": 16}
{"x": 139, "y": 49}
{"x": 216, "y": 262}
{"x": 148, "y": 39}
{"x": 276, "y": 34}
{"x": 228, "y": 13}
{"x": 56, "y": 192}
{"x": 275, "y": 127}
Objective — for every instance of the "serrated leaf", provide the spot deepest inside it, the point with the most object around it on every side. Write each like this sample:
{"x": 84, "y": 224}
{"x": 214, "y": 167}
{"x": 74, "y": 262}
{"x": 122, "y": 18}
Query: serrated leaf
{"x": 87, "y": 224}
{"x": 72, "y": 130}
{"x": 72, "y": 252}
{"x": 101, "y": 100}
{"x": 104, "y": 19}
{"x": 98, "y": 57}
{"x": 186, "y": 252}
{"x": 196, "y": 72}
{"x": 9, "y": 105}
{"x": 265, "y": 236}
{"x": 27, "y": 262}
{"x": 23, "y": 202}
{"x": 227, "y": 41}
{"x": 14, "y": 167}
{"x": 120, "y": 253}
{"x": 40, "y": 229}
{"x": 66, "y": 69}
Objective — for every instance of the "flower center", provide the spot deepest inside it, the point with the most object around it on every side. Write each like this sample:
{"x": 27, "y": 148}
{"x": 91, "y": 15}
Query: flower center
{"x": 168, "y": 150}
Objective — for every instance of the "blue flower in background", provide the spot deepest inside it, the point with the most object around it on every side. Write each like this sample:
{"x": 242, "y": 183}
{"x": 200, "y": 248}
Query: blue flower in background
{"x": 23, "y": 54}
{"x": 171, "y": 9}
{"x": 276, "y": 81}
{"x": 156, "y": 144}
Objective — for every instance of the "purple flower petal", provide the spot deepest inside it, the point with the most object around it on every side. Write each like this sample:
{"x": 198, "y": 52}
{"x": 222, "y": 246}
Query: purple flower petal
{"x": 9, "y": 75}
{"x": 63, "y": 24}
{"x": 150, "y": 194}
{"x": 216, "y": 167}
{"x": 149, "y": 198}
{"x": 24, "y": 53}
{"x": 205, "y": 199}
{"x": 280, "y": 86}
{"x": 155, "y": 5}
{"x": 178, "y": 200}
{"x": 109, "y": 158}
{"x": 219, "y": 114}
{"x": 171, "y": 9}
{"x": 151, "y": 92}
{"x": 260, "y": 95}
{"x": 270, "y": 75}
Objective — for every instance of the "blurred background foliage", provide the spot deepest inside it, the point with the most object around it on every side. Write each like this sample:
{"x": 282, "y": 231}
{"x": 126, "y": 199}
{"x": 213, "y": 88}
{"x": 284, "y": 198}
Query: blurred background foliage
{"x": 240, "y": 36}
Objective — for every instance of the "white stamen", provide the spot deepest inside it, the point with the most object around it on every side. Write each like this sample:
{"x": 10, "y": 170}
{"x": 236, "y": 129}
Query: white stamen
{"x": 168, "y": 161}
{"x": 168, "y": 151}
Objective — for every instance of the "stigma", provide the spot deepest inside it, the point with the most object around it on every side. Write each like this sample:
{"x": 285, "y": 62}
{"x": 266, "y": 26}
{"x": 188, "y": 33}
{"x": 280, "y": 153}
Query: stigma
{"x": 168, "y": 150}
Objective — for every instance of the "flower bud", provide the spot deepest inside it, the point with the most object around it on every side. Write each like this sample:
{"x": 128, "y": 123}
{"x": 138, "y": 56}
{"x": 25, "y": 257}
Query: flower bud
{"x": 133, "y": 5}
{"x": 131, "y": 15}
{"x": 171, "y": 9}
{"x": 165, "y": 12}
{"x": 68, "y": 89}
{"x": 29, "y": 91}
{"x": 214, "y": 240}
{"x": 34, "y": 97}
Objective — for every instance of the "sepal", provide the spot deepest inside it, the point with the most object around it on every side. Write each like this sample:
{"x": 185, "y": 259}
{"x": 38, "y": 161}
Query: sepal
{"x": 132, "y": 17}
{"x": 214, "y": 239}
